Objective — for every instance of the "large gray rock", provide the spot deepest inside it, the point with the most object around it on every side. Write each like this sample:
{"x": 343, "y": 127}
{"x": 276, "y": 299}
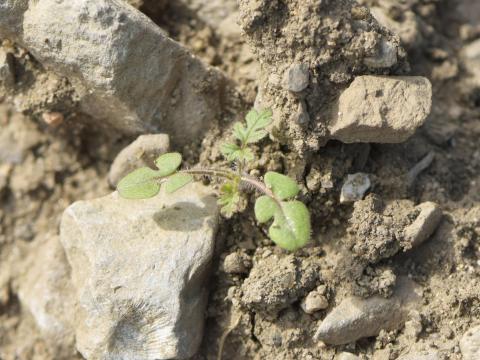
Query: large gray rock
{"x": 47, "y": 293}
{"x": 382, "y": 109}
{"x": 470, "y": 344}
{"x": 139, "y": 270}
{"x": 125, "y": 70}
{"x": 355, "y": 318}
{"x": 142, "y": 152}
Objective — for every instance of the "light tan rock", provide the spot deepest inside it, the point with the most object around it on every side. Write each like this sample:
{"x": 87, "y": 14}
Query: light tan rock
{"x": 126, "y": 72}
{"x": 139, "y": 270}
{"x": 382, "y": 109}
{"x": 47, "y": 293}
{"x": 470, "y": 344}
{"x": 355, "y": 318}
{"x": 425, "y": 224}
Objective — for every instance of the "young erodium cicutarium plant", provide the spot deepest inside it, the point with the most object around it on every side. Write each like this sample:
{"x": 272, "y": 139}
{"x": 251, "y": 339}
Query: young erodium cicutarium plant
{"x": 290, "y": 228}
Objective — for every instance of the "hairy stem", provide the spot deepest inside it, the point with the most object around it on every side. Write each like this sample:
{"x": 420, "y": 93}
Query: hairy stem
{"x": 231, "y": 175}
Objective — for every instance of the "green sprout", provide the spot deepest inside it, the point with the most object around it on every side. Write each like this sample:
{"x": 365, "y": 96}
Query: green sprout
{"x": 290, "y": 228}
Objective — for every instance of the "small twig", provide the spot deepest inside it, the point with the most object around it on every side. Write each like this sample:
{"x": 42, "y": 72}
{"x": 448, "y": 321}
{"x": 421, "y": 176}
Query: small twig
{"x": 419, "y": 167}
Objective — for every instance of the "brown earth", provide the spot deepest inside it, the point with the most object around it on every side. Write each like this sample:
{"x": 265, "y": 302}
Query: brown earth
{"x": 44, "y": 168}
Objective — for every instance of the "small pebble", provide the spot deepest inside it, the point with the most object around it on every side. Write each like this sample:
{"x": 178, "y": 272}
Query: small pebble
{"x": 355, "y": 187}
{"x": 314, "y": 302}
{"x": 236, "y": 263}
{"x": 296, "y": 78}
{"x": 53, "y": 119}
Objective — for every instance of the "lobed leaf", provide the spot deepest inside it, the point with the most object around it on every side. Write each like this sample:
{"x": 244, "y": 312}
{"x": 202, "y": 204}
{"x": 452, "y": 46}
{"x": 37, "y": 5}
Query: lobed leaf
{"x": 177, "y": 181}
{"x": 168, "y": 163}
{"x": 254, "y": 129}
{"x": 282, "y": 186}
{"x": 233, "y": 152}
{"x": 291, "y": 226}
{"x": 142, "y": 183}
{"x": 265, "y": 208}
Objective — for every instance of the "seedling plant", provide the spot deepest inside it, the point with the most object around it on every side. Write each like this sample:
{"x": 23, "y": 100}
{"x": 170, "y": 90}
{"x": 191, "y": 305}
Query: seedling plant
{"x": 290, "y": 219}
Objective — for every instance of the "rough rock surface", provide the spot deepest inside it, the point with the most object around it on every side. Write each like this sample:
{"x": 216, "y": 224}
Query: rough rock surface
{"x": 125, "y": 71}
{"x": 470, "y": 344}
{"x": 274, "y": 284}
{"x": 334, "y": 40}
{"x": 382, "y": 109}
{"x": 139, "y": 271}
{"x": 142, "y": 152}
{"x": 355, "y": 318}
{"x": 46, "y": 291}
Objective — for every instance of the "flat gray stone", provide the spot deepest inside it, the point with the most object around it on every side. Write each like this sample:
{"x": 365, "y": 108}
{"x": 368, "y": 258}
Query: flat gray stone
{"x": 139, "y": 268}
{"x": 382, "y": 109}
{"x": 355, "y": 318}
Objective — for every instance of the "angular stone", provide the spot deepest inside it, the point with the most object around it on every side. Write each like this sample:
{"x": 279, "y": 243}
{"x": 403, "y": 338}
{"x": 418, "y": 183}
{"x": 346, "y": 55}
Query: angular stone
{"x": 296, "y": 77}
{"x": 424, "y": 225}
{"x": 142, "y": 152}
{"x": 127, "y": 73}
{"x": 355, "y": 318}
{"x": 354, "y": 188}
{"x": 47, "y": 292}
{"x": 382, "y": 109}
{"x": 470, "y": 344}
{"x": 139, "y": 270}
{"x": 314, "y": 302}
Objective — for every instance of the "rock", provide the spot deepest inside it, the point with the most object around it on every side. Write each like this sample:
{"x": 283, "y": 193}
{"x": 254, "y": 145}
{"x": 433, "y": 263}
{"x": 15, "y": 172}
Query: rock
{"x": 470, "y": 344}
{"x": 386, "y": 57}
{"x": 425, "y": 224}
{"x": 314, "y": 302}
{"x": 423, "y": 355}
{"x": 142, "y": 152}
{"x": 355, "y": 318}
{"x": 47, "y": 292}
{"x": 354, "y": 187}
{"x": 237, "y": 263}
{"x": 296, "y": 78}
{"x": 213, "y": 12}
{"x": 139, "y": 269}
{"x": 346, "y": 356}
{"x": 274, "y": 283}
{"x": 382, "y": 109}
{"x": 126, "y": 72}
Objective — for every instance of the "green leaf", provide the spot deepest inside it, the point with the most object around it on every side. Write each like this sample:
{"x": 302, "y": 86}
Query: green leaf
{"x": 177, "y": 181}
{"x": 168, "y": 163}
{"x": 291, "y": 226}
{"x": 282, "y": 186}
{"x": 265, "y": 208}
{"x": 254, "y": 130}
{"x": 230, "y": 199}
{"x": 233, "y": 152}
{"x": 142, "y": 183}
